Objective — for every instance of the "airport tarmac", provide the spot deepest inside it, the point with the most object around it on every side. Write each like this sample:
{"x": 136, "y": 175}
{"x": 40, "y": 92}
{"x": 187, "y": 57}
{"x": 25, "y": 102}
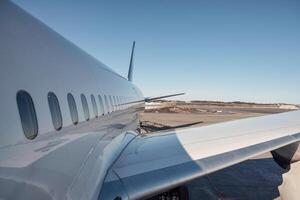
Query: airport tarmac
{"x": 257, "y": 178}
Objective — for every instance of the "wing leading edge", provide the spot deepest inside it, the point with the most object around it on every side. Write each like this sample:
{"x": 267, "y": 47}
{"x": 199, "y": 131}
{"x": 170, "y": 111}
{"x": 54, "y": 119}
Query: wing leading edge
{"x": 152, "y": 164}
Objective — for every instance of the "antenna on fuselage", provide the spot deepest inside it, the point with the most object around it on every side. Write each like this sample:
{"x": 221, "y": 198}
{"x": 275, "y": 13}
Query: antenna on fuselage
{"x": 131, "y": 63}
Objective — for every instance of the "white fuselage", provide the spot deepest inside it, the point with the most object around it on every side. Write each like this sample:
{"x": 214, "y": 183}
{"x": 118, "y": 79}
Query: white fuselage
{"x": 37, "y": 60}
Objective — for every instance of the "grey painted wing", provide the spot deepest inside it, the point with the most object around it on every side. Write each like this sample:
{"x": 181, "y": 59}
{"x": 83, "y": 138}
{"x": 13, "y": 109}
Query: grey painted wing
{"x": 156, "y": 163}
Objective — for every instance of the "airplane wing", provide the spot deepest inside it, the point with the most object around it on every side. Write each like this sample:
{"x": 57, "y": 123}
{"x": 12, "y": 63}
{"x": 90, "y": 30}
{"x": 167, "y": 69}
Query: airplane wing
{"x": 155, "y": 163}
{"x": 151, "y": 99}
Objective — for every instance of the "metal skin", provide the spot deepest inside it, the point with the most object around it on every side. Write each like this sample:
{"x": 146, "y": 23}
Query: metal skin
{"x": 102, "y": 158}
{"x": 156, "y": 163}
{"x": 70, "y": 163}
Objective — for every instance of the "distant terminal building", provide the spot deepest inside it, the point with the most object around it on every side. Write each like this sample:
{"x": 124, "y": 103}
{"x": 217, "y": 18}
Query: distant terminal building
{"x": 159, "y": 105}
{"x": 288, "y": 107}
{"x": 153, "y": 105}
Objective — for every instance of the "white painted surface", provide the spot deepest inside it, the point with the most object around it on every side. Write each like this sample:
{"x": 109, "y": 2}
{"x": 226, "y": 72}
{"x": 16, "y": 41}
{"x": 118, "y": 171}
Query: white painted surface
{"x": 146, "y": 154}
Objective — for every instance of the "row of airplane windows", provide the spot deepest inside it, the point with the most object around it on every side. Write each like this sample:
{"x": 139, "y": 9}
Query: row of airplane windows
{"x": 29, "y": 120}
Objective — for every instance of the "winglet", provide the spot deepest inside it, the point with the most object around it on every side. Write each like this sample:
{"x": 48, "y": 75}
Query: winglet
{"x": 131, "y": 63}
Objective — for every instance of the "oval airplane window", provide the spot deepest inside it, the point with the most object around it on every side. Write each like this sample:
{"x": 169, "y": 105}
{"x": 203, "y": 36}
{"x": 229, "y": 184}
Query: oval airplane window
{"x": 85, "y": 107}
{"x": 111, "y": 103}
{"x": 101, "y": 105}
{"x": 107, "y": 104}
{"x": 73, "y": 108}
{"x": 121, "y": 106}
{"x": 116, "y": 102}
{"x": 119, "y": 101}
{"x": 55, "y": 111}
{"x": 27, "y": 114}
{"x": 95, "y": 108}
{"x": 122, "y": 102}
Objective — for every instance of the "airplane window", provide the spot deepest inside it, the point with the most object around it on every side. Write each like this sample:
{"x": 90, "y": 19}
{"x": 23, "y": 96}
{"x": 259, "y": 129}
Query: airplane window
{"x": 107, "y": 104}
{"x": 111, "y": 103}
{"x": 122, "y": 102}
{"x": 85, "y": 107}
{"x": 115, "y": 102}
{"x": 101, "y": 105}
{"x": 27, "y": 114}
{"x": 95, "y": 108}
{"x": 73, "y": 108}
{"x": 55, "y": 111}
{"x": 119, "y": 101}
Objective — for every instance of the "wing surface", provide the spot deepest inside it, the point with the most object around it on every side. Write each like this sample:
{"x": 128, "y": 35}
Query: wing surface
{"x": 152, "y": 164}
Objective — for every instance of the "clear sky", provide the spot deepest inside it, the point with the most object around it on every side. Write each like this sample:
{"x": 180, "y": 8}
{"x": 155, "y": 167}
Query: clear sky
{"x": 212, "y": 50}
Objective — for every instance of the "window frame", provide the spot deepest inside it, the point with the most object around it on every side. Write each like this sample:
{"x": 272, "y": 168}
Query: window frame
{"x": 55, "y": 111}
{"x": 111, "y": 103}
{"x": 24, "y": 115}
{"x": 85, "y": 107}
{"x": 94, "y": 105}
{"x": 101, "y": 104}
{"x": 107, "y": 104}
{"x": 73, "y": 109}
{"x": 115, "y": 103}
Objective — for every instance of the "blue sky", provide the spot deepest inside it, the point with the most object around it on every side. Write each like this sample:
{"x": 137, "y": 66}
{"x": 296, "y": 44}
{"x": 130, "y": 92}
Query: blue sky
{"x": 212, "y": 50}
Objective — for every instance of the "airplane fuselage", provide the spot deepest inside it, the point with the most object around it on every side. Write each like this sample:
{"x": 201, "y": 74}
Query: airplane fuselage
{"x": 35, "y": 156}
